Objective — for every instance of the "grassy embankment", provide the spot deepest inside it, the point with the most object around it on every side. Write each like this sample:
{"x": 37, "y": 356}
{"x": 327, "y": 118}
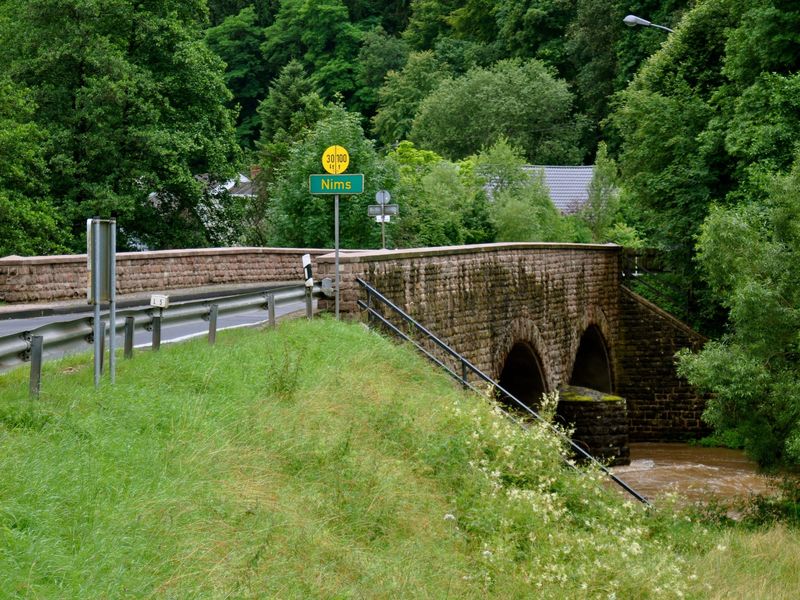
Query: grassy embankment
{"x": 322, "y": 461}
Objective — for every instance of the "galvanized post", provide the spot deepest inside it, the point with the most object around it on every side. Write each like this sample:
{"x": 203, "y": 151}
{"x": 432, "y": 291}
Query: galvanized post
{"x": 98, "y": 352}
{"x": 102, "y": 335}
{"x": 212, "y": 324}
{"x": 37, "y": 343}
{"x": 129, "y": 323}
{"x": 464, "y": 372}
{"x": 271, "y": 309}
{"x": 112, "y": 307}
{"x": 157, "y": 331}
{"x": 336, "y": 243}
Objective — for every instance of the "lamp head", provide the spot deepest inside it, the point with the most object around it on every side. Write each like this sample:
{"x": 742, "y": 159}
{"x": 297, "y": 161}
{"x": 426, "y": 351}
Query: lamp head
{"x": 633, "y": 21}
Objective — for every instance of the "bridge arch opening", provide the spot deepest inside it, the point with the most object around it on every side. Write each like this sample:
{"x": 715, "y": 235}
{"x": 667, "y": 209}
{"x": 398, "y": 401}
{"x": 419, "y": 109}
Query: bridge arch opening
{"x": 522, "y": 376}
{"x": 592, "y": 368}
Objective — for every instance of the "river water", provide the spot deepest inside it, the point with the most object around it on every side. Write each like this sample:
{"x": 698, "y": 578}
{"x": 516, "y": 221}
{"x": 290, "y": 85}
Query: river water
{"x": 698, "y": 474}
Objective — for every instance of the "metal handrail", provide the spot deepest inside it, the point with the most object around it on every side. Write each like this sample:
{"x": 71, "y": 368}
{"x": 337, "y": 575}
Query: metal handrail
{"x": 466, "y": 367}
{"x": 75, "y": 335}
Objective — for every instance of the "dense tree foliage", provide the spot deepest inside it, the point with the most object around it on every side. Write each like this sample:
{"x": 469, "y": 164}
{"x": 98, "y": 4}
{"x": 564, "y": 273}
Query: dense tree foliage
{"x": 299, "y": 219}
{"x": 464, "y": 114}
{"x": 133, "y": 103}
{"x": 751, "y": 255}
{"x": 28, "y": 221}
{"x": 237, "y": 41}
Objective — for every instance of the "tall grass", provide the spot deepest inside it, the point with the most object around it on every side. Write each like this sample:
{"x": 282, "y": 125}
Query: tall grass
{"x": 317, "y": 460}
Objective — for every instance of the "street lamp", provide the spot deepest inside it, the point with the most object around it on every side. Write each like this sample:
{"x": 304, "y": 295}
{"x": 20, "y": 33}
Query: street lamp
{"x": 633, "y": 21}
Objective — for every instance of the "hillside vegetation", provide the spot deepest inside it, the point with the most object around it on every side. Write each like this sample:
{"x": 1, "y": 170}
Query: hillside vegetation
{"x": 320, "y": 460}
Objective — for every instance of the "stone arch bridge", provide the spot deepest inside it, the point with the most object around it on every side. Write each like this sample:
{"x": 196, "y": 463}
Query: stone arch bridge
{"x": 533, "y": 316}
{"x": 536, "y": 317}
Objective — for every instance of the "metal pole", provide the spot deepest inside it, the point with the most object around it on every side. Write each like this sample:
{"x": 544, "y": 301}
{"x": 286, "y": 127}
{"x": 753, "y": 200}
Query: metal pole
{"x": 157, "y": 331}
{"x": 336, "y": 244}
{"x": 37, "y": 342}
{"x": 212, "y": 324}
{"x": 112, "y": 309}
{"x": 129, "y": 323}
{"x": 98, "y": 353}
{"x": 102, "y": 345}
{"x": 383, "y": 228}
{"x": 271, "y": 309}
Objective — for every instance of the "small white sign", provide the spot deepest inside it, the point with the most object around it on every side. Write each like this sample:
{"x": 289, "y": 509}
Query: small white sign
{"x": 159, "y": 300}
{"x": 383, "y": 219}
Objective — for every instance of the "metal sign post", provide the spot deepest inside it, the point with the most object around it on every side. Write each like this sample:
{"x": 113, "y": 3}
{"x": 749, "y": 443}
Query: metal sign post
{"x": 382, "y": 211}
{"x": 335, "y": 161}
{"x": 336, "y": 245}
{"x": 101, "y": 241}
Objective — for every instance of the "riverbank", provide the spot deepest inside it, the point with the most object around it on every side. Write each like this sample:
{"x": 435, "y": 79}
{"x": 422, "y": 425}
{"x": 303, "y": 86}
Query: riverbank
{"x": 320, "y": 460}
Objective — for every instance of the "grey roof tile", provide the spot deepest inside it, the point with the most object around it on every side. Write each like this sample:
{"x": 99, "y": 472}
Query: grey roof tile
{"x": 569, "y": 186}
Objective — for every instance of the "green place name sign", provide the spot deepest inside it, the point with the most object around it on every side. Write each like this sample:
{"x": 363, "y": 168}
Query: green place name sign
{"x": 336, "y": 184}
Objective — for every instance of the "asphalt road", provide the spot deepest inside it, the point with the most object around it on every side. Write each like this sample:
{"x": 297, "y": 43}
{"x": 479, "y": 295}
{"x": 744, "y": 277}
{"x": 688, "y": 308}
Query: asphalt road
{"x": 169, "y": 332}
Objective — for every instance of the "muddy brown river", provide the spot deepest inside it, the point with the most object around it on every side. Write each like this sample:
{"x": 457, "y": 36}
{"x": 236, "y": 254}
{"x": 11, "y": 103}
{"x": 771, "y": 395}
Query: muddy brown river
{"x": 697, "y": 473}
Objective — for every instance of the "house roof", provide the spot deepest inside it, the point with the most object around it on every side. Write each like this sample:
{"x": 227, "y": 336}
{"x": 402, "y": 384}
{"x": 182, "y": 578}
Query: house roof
{"x": 569, "y": 186}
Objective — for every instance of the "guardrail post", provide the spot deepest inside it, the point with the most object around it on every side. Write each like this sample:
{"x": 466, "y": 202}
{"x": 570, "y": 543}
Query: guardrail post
{"x": 464, "y": 372}
{"x": 156, "y": 332}
{"x": 212, "y": 324}
{"x": 37, "y": 343}
{"x": 129, "y": 322}
{"x": 271, "y": 309}
{"x": 102, "y": 334}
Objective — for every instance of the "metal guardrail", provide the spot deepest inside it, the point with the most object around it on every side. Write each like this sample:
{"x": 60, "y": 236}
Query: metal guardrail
{"x": 77, "y": 335}
{"x": 466, "y": 368}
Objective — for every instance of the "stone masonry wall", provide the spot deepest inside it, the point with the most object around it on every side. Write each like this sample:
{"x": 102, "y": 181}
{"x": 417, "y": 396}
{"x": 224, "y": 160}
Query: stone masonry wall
{"x": 51, "y": 278}
{"x": 483, "y": 299}
{"x": 661, "y": 406}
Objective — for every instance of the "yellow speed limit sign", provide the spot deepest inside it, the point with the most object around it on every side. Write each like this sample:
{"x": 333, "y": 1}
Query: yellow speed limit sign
{"x": 335, "y": 160}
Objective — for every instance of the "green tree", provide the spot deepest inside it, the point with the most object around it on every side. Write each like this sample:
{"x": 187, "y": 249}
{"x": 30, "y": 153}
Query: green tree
{"x": 601, "y": 211}
{"x": 751, "y": 256}
{"x": 441, "y": 203}
{"x": 673, "y": 160}
{"x": 300, "y": 219}
{"x": 29, "y": 224}
{"x": 518, "y": 100}
{"x": 536, "y": 28}
{"x": 237, "y": 41}
{"x": 379, "y": 54}
{"x": 521, "y": 209}
{"x": 428, "y": 22}
{"x": 321, "y": 36}
{"x": 133, "y": 102}
{"x": 402, "y": 93}
{"x": 265, "y": 10}
{"x": 289, "y": 111}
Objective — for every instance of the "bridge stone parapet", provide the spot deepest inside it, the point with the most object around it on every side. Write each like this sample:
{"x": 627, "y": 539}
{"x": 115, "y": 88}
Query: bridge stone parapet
{"x": 560, "y": 305}
{"x": 53, "y": 278}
